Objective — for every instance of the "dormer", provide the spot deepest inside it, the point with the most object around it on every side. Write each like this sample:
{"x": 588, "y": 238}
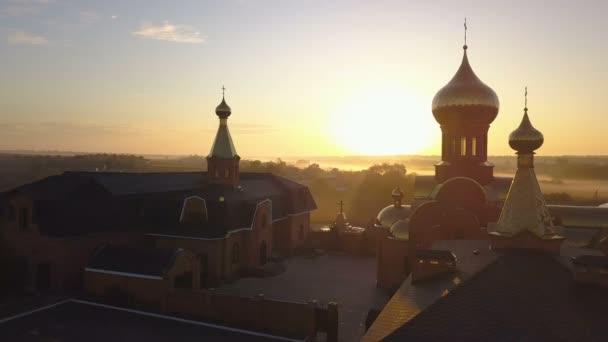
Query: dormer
{"x": 194, "y": 211}
{"x": 591, "y": 269}
{"x": 429, "y": 263}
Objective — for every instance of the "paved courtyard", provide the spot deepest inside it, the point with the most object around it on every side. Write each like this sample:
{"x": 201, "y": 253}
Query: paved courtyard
{"x": 345, "y": 279}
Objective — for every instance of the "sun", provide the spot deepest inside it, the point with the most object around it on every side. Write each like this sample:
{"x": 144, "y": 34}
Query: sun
{"x": 389, "y": 121}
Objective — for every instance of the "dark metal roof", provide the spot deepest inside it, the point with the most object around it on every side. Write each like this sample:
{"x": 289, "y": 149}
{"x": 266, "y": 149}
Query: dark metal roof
{"x": 127, "y": 259}
{"x": 75, "y": 203}
{"x": 519, "y": 297}
{"x": 76, "y": 321}
{"x": 591, "y": 260}
{"x": 435, "y": 254}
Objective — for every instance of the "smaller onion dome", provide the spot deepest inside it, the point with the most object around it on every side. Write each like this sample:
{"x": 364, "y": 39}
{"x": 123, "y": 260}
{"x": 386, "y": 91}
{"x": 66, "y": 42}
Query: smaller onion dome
{"x": 401, "y": 229}
{"x": 526, "y": 139}
{"x": 223, "y": 110}
{"x": 391, "y": 214}
{"x": 397, "y": 196}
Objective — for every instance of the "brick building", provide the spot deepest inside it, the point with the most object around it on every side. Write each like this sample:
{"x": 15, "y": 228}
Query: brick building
{"x": 231, "y": 222}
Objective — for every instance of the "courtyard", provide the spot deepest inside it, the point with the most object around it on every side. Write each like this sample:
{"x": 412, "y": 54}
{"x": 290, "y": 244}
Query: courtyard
{"x": 345, "y": 279}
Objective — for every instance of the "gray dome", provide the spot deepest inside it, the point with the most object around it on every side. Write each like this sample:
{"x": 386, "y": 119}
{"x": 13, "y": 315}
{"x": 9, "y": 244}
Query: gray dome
{"x": 391, "y": 214}
{"x": 401, "y": 229}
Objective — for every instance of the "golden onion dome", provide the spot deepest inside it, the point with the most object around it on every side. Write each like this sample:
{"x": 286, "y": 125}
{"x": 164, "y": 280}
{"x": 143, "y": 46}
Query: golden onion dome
{"x": 391, "y": 214}
{"x": 465, "y": 97}
{"x": 223, "y": 110}
{"x": 526, "y": 139}
{"x": 401, "y": 229}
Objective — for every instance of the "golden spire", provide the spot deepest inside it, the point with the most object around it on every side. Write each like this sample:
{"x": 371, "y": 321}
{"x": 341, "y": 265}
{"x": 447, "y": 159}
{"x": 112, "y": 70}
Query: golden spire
{"x": 526, "y": 139}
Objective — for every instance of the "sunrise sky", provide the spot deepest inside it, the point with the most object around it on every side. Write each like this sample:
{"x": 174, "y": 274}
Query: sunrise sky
{"x": 302, "y": 77}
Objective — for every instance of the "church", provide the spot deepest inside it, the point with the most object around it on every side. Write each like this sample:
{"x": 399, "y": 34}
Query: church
{"x": 476, "y": 257}
{"x": 181, "y": 229}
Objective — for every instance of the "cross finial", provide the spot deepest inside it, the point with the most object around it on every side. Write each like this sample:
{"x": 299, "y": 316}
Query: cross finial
{"x": 526, "y": 100}
{"x": 341, "y": 206}
{"x": 223, "y": 91}
{"x": 465, "y": 33}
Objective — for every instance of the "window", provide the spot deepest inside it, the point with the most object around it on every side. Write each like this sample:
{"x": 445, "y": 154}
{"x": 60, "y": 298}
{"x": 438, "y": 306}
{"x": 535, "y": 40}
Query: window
{"x": 235, "y": 253}
{"x": 474, "y": 146}
{"x": 226, "y": 173}
{"x": 301, "y": 232}
{"x": 434, "y": 262}
{"x": 12, "y": 215}
{"x": 23, "y": 218}
{"x": 216, "y": 173}
{"x": 204, "y": 267}
{"x": 463, "y": 146}
{"x": 454, "y": 146}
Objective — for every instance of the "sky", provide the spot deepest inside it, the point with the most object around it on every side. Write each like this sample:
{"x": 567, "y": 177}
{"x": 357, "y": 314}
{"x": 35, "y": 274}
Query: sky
{"x": 303, "y": 78}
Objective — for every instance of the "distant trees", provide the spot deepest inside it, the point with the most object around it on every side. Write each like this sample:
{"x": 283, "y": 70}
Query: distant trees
{"x": 374, "y": 192}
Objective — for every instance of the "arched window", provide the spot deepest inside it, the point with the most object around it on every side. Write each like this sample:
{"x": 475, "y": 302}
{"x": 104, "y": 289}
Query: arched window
{"x": 474, "y": 146}
{"x": 263, "y": 253}
{"x": 235, "y": 253}
{"x": 204, "y": 267}
{"x": 463, "y": 146}
{"x": 226, "y": 173}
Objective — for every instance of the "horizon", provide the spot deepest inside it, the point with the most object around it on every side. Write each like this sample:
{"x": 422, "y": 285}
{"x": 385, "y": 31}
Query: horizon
{"x": 328, "y": 79}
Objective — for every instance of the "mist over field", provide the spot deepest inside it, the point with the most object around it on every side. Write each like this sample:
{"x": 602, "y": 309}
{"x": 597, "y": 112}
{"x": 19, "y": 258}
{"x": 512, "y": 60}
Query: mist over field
{"x": 364, "y": 183}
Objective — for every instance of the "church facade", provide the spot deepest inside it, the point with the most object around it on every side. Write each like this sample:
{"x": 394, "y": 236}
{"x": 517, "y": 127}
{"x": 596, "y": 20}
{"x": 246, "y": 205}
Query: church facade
{"x": 229, "y": 222}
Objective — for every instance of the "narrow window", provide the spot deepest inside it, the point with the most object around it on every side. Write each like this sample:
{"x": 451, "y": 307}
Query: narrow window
{"x": 204, "y": 267}
{"x": 454, "y": 146}
{"x": 474, "y": 146}
{"x": 226, "y": 173}
{"x": 23, "y": 219}
{"x": 463, "y": 146}
{"x": 235, "y": 253}
{"x": 301, "y": 232}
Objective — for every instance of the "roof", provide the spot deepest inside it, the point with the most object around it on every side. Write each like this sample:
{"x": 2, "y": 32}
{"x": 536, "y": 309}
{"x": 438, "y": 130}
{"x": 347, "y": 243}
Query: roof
{"x": 412, "y": 298}
{"x": 132, "y": 260}
{"x": 591, "y": 260}
{"x": 525, "y": 208}
{"x": 152, "y": 202}
{"x": 223, "y": 147}
{"x": 76, "y": 320}
{"x": 496, "y": 190}
{"x": 522, "y": 296}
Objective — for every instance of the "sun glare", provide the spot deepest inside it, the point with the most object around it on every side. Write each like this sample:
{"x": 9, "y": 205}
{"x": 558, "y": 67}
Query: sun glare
{"x": 384, "y": 122}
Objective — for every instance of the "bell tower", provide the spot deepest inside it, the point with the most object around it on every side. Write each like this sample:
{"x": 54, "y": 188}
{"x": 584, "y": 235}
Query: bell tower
{"x": 465, "y": 108}
{"x": 223, "y": 161}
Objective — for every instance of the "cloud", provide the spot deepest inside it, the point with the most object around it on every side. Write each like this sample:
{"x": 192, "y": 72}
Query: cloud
{"x": 171, "y": 33}
{"x": 24, "y": 38}
{"x": 89, "y": 17}
{"x": 15, "y": 8}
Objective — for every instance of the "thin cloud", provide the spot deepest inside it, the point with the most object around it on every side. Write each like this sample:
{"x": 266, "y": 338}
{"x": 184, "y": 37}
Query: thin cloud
{"x": 89, "y": 17}
{"x": 16, "y": 8}
{"x": 24, "y": 38}
{"x": 171, "y": 33}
